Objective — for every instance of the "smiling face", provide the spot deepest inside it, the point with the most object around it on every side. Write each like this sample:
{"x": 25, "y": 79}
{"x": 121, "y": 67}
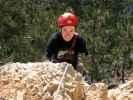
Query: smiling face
{"x": 67, "y": 32}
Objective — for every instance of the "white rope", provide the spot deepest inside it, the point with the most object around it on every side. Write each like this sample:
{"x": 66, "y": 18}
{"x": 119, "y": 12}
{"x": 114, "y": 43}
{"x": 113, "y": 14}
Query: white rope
{"x": 60, "y": 83}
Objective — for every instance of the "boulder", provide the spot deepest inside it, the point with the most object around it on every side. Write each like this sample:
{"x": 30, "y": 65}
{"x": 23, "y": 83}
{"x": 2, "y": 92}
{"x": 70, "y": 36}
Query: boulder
{"x": 54, "y": 81}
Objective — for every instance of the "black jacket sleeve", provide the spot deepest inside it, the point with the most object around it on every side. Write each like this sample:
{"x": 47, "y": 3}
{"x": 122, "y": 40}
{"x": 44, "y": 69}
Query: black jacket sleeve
{"x": 51, "y": 47}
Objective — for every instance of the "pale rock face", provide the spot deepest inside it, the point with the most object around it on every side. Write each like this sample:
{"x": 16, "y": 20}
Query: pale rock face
{"x": 97, "y": 91}
{"x": 39, "y": 81}
{"x": 42, "y": 81}
{"x": 123, "y": 92}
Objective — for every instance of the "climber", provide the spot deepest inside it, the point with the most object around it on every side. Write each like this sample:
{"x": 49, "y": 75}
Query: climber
{"x": 67, "y": 44}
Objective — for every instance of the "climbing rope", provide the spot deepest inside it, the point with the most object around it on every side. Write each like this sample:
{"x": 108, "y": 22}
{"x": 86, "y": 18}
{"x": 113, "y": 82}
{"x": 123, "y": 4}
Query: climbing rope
{"x": 60, "y": 83}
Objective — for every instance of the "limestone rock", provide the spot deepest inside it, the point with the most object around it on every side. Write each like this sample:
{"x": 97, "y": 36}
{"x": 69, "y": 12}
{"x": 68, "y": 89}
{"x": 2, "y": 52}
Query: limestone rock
{"x": 123, "y": 92}
{"x": 42, "y": 81}
{"x": 36, "y": 81}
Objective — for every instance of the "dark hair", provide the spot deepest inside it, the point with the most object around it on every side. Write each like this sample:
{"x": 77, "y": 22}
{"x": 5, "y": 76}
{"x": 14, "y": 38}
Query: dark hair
{"x": 71, "y": 10}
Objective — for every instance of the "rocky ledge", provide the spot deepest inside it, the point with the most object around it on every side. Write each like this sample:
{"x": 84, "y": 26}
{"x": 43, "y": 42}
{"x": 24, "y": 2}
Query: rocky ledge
{"x": 50, "y": 81}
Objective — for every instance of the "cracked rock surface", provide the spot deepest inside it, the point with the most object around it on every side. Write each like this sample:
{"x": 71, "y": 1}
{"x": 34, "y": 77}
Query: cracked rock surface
{"x": 43, "y": 81}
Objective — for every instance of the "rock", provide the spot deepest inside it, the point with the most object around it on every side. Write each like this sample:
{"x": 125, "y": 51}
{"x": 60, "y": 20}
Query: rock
{"x": 123, "y": 92}
{"x": 35, "y": 81}
{"x": 97, "y": 91}
{"x": 42, "y": 81}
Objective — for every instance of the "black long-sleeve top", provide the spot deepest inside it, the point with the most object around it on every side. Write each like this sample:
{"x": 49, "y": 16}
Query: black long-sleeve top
{"x": 57, "y": 45}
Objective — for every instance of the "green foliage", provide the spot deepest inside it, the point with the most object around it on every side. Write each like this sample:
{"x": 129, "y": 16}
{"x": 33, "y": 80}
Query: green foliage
{"x": 107, "y": 26}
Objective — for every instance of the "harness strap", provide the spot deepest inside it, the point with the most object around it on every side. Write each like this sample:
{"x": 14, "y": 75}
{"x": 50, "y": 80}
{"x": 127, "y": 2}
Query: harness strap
{"x": 73, "y": 44}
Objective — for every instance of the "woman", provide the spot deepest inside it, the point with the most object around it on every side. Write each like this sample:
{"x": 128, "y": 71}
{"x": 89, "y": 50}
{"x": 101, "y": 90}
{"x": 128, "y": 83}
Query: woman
{"x": 67, "y": 44}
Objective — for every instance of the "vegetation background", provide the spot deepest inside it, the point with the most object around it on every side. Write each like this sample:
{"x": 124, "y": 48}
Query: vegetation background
{"x": 107, "y": 26}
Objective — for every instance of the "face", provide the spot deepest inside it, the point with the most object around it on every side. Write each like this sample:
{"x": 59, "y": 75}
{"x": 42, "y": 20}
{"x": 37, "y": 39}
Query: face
{"x": 68, "y": 32}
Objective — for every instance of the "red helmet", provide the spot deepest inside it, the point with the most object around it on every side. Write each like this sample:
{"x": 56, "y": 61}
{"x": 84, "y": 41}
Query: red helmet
{"x": 67, "y": 19}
